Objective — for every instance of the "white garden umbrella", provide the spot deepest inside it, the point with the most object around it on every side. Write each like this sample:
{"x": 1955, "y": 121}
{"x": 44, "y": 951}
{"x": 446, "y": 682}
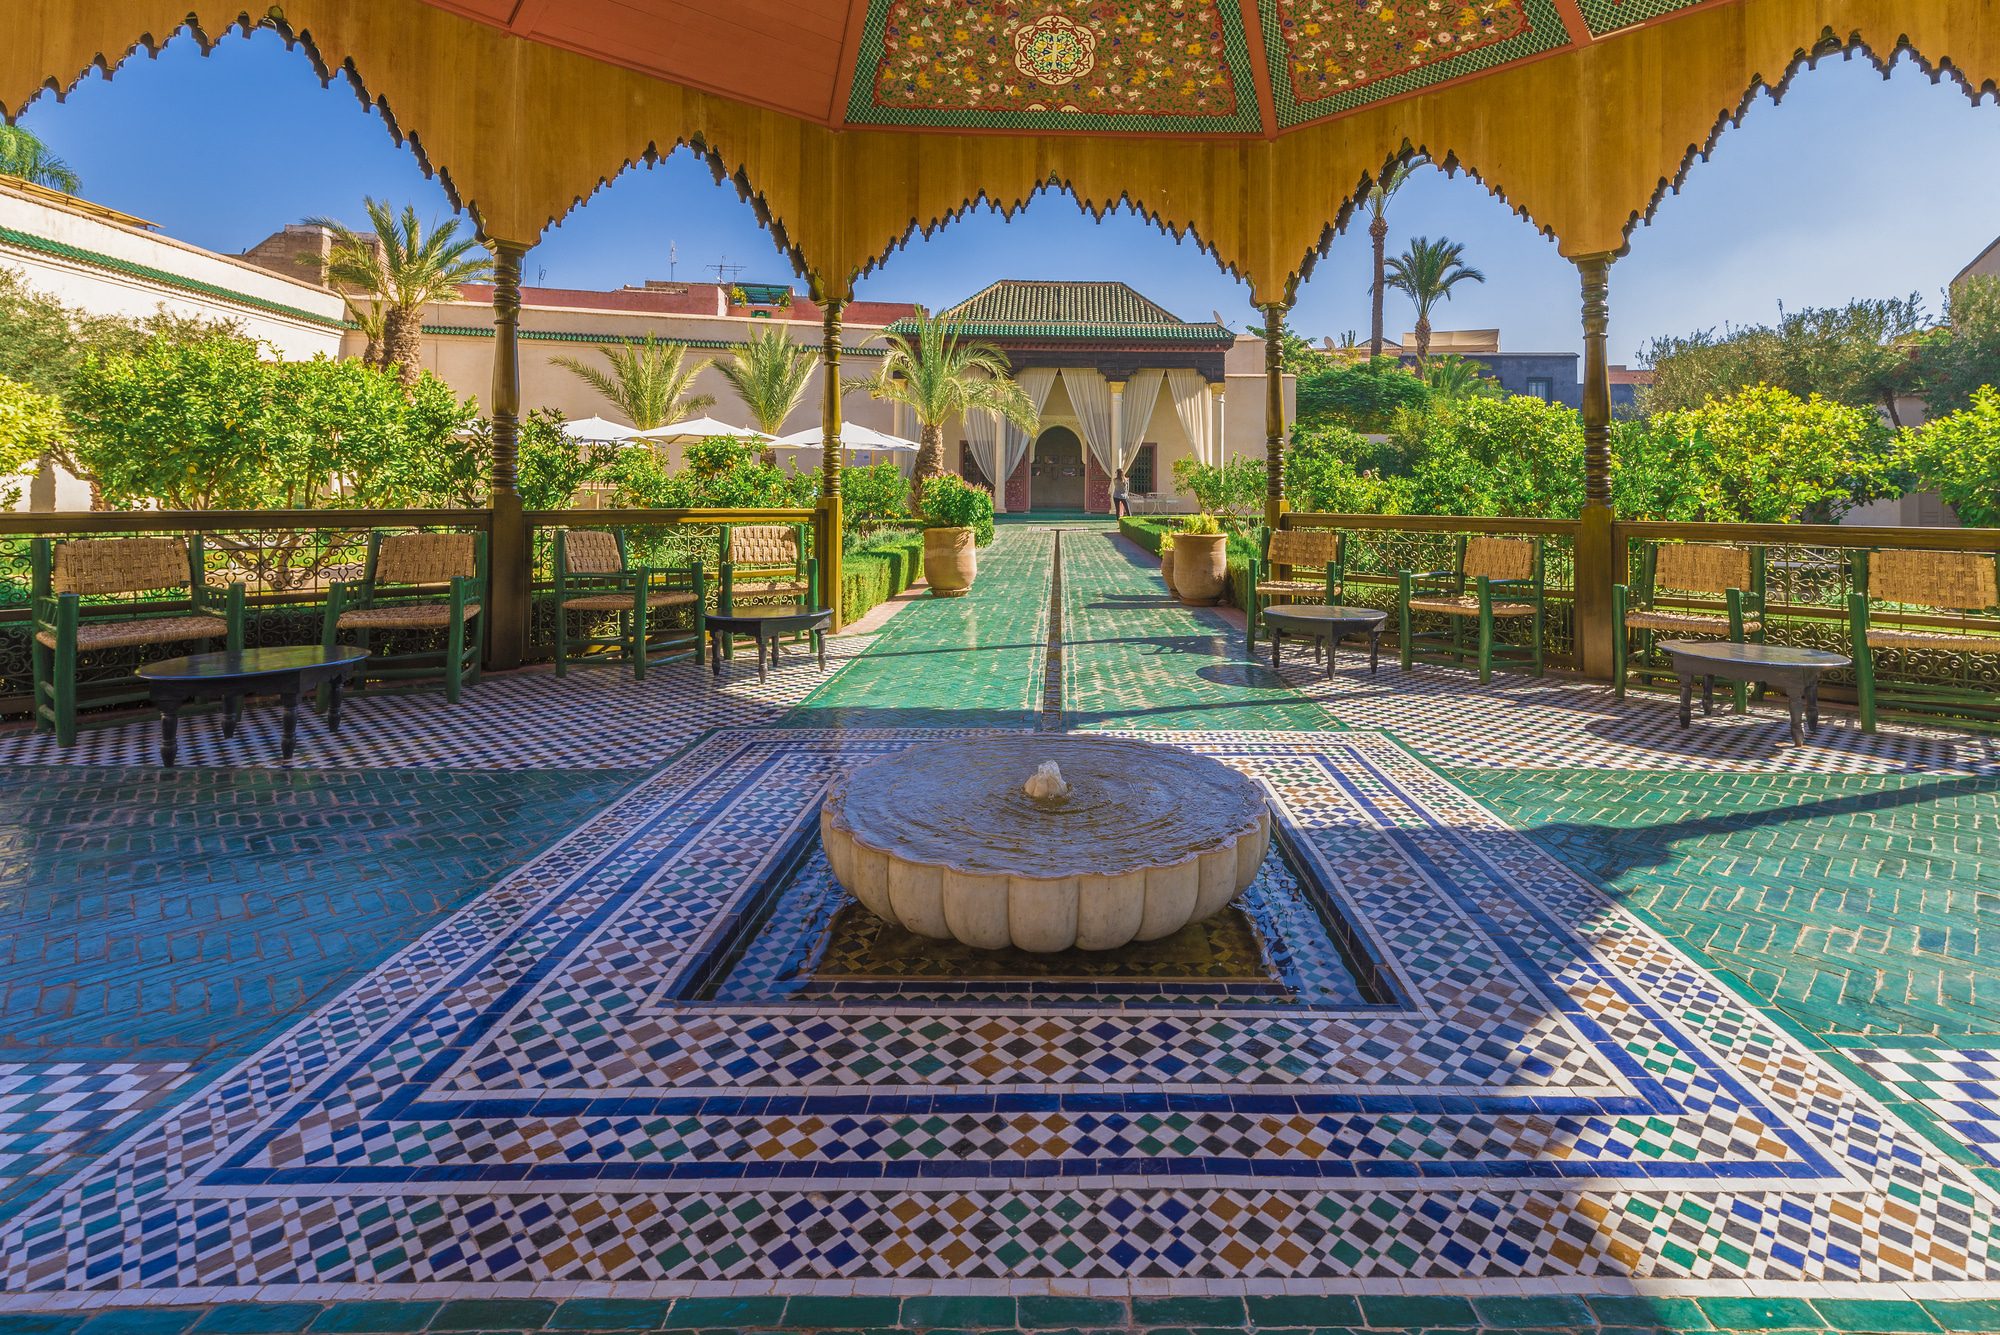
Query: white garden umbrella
{"x": 598, "y": 431}
{"x": 853, "y": 436}
{"x": 699, "y": 428}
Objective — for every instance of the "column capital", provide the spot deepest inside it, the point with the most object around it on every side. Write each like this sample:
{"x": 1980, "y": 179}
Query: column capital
{"x": 1117, "y": 386}
{"x": 1218, "y": 387}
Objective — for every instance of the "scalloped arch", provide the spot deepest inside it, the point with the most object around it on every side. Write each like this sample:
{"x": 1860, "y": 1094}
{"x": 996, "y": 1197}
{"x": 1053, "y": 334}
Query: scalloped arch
{"x": 1582, "y": 144}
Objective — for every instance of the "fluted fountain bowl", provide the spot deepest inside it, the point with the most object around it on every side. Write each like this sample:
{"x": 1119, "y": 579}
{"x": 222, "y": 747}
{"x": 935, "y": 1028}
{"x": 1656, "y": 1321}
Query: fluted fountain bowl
{"x": 947, "y": 840}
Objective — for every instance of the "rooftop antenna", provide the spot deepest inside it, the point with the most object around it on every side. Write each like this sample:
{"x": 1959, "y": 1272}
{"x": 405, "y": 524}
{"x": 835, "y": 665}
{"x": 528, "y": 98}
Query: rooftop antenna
{"x": 725, "y": 271}
{"x": 673, "y": 259}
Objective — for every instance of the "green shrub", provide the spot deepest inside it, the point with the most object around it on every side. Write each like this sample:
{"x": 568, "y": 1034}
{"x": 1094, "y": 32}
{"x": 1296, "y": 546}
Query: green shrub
{"x": 1202, "y": 525}
{"x": 950, "y": 501}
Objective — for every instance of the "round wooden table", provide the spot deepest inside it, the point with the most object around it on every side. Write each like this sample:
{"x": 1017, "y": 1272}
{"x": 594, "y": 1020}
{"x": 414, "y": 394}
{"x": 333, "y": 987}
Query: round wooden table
{"x": 286, "y": 672}
{"x": 769, "y": 625}
{"x": 1328, "y": 625}
{"x": 1796, "y": 672}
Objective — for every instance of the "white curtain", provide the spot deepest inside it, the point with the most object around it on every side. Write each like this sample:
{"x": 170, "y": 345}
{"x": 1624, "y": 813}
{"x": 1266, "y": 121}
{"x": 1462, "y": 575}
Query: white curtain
{"x": 982, "y": 437}
{"x": 1038, "y": 381}
{"x": 1142, "y": 394}
{"x": 1190, "y": 393}
{"x": 1090, "y": 395}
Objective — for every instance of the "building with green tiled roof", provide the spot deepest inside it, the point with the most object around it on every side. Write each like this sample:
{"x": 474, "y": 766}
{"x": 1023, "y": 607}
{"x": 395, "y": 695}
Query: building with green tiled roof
{"x": 1119, "y": 380}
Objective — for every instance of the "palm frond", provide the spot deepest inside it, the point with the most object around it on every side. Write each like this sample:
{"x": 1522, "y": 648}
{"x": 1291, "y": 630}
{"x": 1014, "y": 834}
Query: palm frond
{"x": 770, "y": 374}
{"x": 647, "y": 380}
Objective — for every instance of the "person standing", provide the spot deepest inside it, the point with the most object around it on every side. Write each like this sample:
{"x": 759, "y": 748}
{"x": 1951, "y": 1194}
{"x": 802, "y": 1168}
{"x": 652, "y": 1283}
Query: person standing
{"x": 1121, "y": 495}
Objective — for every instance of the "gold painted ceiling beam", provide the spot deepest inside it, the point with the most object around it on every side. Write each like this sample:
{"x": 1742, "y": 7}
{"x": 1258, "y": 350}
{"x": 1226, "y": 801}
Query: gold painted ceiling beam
{"x": 1582, "y": 143}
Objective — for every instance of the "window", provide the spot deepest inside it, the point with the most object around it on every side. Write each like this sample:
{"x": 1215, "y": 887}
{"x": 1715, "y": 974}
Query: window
{"x": 1140, "y": 478}
{"x": 1541, "y": 387}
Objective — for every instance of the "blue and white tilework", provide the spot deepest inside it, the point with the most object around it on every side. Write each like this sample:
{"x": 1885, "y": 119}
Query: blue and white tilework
{"x": 523, "y": 1096}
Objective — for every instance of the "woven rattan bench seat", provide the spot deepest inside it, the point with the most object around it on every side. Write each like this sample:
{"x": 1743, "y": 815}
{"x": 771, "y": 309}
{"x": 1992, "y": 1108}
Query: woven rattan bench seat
{"x": 625, "y": 602}
{"x": 1468, "y": 606}
{"x": 152, "y": 630}
{"x": 1292, "y": 588}
{"x": 760, "y": 587}
{"x": 1692, "y": 623}
{"x": 1882, "y": 637}
{"x": 413, "y": 616}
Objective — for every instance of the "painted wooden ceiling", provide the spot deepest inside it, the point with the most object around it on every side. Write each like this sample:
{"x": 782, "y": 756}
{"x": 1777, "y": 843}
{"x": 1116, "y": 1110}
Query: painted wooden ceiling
{"x": 1191, "y": 67}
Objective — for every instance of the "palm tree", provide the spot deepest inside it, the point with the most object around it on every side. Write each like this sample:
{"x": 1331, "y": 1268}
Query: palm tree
{"x": 1378, "y": 197}
{"x": 399, "y": 267}
{"x": 770, "y": 374}
{"x": 1426, "y": 273}
{"x": 648, "y": 381}
{"x": 24, "y": 155}
{"x": 940, "y": 374}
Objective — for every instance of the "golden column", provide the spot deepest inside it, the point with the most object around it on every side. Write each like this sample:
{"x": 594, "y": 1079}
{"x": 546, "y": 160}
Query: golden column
{"x": 1596, "y": 558}
{"x": 508, "y": 546}
{"x": 1274, "y": 412}
{"x": 830, "y": 461}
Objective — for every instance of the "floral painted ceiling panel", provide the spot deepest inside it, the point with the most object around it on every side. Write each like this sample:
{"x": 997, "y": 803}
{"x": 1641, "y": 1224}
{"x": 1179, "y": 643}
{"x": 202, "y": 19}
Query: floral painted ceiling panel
{"x": 1155, "y": 65}
{"x": 1330, "y": 56}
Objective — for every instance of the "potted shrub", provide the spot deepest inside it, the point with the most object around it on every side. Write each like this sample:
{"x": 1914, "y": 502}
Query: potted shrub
{"x": 958, "y": 517}
{"x": 1201, "y": 560}
{"x": 1167, "y": 562}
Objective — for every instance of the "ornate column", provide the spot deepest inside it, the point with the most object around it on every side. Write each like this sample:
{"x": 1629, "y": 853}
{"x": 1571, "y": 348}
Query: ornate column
{"x": 1597, "y": 557}
{"x": 1274, "y": 412}
{"x": 508, "y": 546}
{"x": 1219, "y": 448}
{"x": 831, "y": 527}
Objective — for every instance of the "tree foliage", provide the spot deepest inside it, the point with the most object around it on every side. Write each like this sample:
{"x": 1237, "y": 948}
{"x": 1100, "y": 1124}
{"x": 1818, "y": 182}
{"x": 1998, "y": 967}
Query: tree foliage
{"x": 1858, "y": 354}
{"x": 770, "y": 373}
{"x": 646, "y": 379}
{"x": 1958, "y": 456}
{"x": 1426, "y": 273}
{"x": 1230, "y": 490}
{"x": 206, "y": 422}
{"x": 1962, "y": 356}
{"x": 940, "y": 374}
{"x": 723, "y": 472}
{"x": 25, "y": 156}
{"x": 390, "y": 272}
{"x": 1363, "y": 395}
{"x": 32, "y": 427}
{"x": 1765, "y": 455}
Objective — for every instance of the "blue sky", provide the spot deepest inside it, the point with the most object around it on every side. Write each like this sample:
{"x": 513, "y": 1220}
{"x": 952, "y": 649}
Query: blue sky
{"x": 1855, "y": 186}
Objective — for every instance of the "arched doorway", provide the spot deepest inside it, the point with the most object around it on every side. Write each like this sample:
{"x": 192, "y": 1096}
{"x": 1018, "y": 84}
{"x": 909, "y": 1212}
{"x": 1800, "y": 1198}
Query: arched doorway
{"x": 1056, "y": 471}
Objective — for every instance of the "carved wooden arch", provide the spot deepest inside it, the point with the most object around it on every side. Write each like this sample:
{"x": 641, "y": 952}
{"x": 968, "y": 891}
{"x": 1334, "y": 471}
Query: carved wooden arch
{"x": 1582, "y": 145}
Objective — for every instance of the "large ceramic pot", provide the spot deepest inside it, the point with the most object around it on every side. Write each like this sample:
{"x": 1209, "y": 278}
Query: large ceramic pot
{"x": 1201, "y": 567}
{"x": 951, "y": 560}
{"x": 1167, "y": 563}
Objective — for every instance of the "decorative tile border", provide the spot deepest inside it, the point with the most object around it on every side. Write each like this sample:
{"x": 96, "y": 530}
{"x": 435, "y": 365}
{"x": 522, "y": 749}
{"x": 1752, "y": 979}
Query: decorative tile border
{"x": 494, "y": 1106}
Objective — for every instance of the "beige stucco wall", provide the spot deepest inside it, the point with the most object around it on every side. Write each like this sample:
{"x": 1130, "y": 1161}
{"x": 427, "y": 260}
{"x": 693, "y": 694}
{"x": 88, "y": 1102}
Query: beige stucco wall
{"x": 465, "y": 361}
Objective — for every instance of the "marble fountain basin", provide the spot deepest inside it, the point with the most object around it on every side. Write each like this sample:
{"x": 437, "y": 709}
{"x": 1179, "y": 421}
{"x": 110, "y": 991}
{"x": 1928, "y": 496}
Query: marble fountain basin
{"x": 973, "y": 839}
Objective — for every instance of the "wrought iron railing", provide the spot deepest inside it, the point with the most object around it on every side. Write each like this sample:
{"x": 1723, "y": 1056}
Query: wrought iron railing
{"x": 1379, "y": 547}
{"x": 287, "y": 560}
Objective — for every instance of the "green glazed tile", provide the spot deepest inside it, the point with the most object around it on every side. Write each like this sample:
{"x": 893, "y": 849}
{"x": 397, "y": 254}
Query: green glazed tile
{"x": 1187, "y": 1312}
{"x": 1978, "y": 1314}
{"x": 1520, "y": 1313}
{"x": 609, "y": 1314}
{"x": 1044, "y": 1313}
{"x": 1406, "y": 1311}
{"x": 1304, "y": 1310}
{"x": 1639, "y": 1310}
{"x": 494, "y": 1314}
{"x": 372, "y": 1316}
{"x": 968, "y": 1313}
{"x": 1760, "y": 1313}
{"x": 257, "y": 1318}
{"x": 1874, "y": 1314}
{"x": 141, "y": 1321}
{"x": 822, "y": 1313}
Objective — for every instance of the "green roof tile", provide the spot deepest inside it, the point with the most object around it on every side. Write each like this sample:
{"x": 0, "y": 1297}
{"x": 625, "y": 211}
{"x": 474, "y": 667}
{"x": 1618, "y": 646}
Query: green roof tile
{"x": 1094, "y": 312}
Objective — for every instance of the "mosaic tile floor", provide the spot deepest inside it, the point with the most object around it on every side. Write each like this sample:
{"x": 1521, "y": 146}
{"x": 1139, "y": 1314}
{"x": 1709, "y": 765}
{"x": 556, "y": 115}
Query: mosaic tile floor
{"x": 1687, "y": 1030}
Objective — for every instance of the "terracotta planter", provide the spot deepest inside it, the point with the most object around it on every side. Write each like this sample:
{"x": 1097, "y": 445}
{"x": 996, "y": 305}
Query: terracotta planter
{"x": 1167, "y": 564}
{"x": 1201, "y": 567}
{"x": 951, "y": 560}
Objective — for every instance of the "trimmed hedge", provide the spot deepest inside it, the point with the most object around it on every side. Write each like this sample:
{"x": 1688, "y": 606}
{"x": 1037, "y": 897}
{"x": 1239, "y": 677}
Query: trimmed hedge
{"x": 878, "y": 570}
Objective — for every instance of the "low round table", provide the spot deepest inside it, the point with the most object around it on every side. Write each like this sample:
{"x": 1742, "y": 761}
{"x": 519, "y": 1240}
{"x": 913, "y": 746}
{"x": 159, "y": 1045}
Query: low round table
{"x": 768, "y": 625}
{"x": 287, "y": 673}
{"x": 1796, "y": 672}
{"x": 1328, "y": 625}
{"x": 1044, "y": 842}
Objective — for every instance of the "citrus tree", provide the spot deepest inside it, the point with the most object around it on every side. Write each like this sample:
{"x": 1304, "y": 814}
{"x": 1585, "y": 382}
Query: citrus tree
{"x": 1958, "y": 456}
